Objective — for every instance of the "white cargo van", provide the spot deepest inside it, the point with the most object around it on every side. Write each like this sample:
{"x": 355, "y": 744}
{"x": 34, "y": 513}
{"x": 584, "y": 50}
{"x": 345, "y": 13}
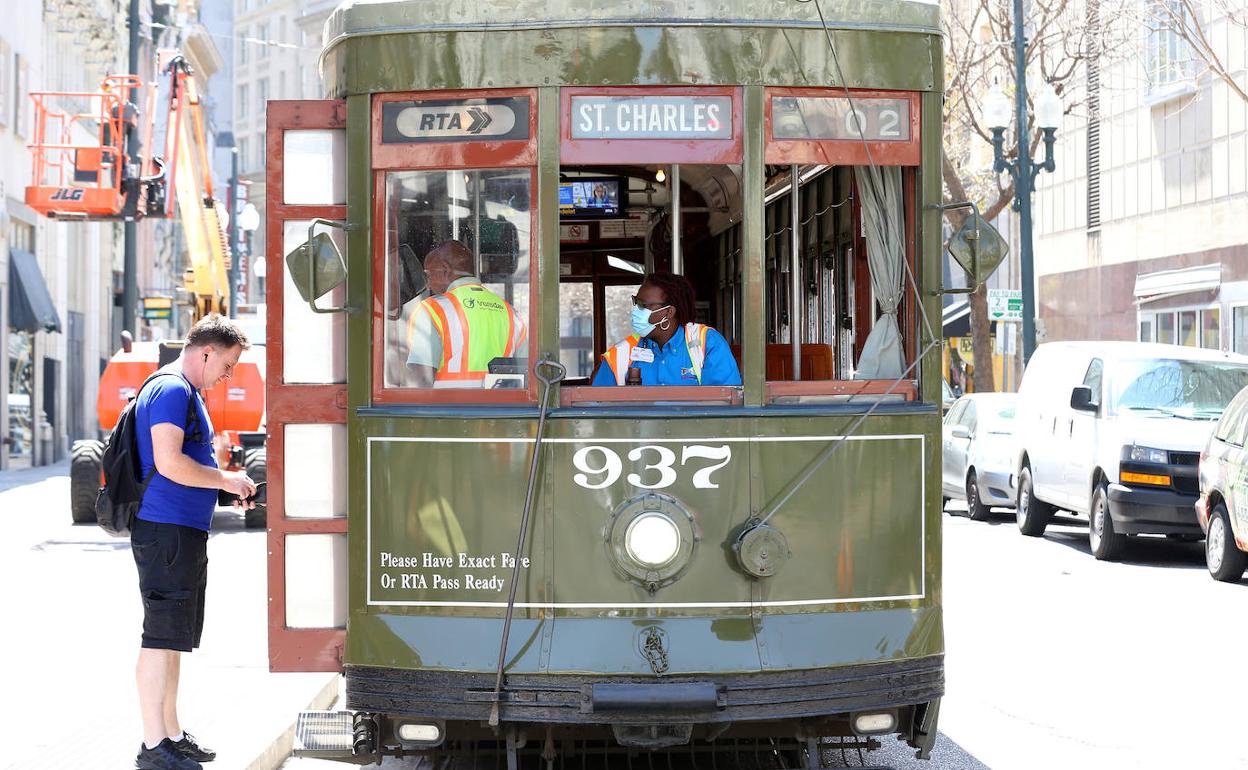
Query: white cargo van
{"x": 1114, "y": 430}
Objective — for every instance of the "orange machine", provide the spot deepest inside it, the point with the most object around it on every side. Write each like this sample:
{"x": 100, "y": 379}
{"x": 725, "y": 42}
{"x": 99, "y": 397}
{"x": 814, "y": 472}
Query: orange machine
{"x": 235, "y": 406}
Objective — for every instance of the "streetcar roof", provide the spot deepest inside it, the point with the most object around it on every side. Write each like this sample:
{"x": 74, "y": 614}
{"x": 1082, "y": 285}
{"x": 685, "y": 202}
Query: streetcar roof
{"x": 357, "y": 18}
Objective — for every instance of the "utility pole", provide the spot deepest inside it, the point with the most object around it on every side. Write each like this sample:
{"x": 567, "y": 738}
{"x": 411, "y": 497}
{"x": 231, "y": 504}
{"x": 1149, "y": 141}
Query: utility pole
{"x": 235, "y": 257}
{"x": 130, "y": 278}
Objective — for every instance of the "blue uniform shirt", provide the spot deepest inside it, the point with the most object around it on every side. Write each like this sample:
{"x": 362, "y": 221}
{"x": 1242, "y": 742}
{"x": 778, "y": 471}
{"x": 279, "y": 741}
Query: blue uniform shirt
{"x": 672, "y": 366}
{"x": 165, "y": 399}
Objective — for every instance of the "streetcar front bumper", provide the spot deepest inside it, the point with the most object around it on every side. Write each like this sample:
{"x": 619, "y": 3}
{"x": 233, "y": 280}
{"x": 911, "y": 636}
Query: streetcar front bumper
{"x": 390, "y": 708}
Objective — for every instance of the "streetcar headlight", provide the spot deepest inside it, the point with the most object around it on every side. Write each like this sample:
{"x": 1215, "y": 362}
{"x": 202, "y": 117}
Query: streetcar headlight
{"x": 417, "y": 734}
{"x": 652, "y": 539}
{"x": 875, "y": 723}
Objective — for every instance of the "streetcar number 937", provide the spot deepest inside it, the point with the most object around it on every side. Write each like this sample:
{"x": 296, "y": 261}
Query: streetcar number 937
{"x": 601, "y": 466}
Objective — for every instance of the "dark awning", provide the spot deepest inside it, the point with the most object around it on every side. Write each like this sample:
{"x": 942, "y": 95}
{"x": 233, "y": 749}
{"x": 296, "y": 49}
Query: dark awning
{"x": 30, "y": 305}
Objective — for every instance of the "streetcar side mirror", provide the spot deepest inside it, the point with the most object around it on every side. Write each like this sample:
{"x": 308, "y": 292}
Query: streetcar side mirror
{"x": 316, "y": 266}
{"x": 978, "y": 248}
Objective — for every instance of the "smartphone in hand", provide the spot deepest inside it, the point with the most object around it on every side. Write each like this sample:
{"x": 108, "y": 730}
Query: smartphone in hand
{"x": 258, "y": 497}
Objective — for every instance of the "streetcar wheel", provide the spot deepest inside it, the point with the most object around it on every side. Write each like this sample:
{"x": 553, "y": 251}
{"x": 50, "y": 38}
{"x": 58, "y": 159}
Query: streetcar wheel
{"x": 974, "y": 503}
{"x": 255, "y": 462}
{"x": 1032, "y": 514}
{"x": 1223, "y": 558}
{"x": 1107, "y": 545}
{"x": 84, "y": 479}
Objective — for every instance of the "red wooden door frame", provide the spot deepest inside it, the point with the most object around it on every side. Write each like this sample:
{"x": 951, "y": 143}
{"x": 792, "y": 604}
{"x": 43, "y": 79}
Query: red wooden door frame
{"x": 291, "y": 649}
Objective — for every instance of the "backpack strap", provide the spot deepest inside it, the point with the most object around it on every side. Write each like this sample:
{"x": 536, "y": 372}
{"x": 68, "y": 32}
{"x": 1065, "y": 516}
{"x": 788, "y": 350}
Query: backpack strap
{"x": 192, "y": 414}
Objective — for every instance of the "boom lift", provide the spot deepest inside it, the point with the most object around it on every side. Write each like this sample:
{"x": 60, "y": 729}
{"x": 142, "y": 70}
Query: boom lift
{"x": 94, "y": 179}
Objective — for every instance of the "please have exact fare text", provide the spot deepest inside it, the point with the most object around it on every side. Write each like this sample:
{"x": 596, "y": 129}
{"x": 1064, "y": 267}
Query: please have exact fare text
{"x": 450, "y": 581}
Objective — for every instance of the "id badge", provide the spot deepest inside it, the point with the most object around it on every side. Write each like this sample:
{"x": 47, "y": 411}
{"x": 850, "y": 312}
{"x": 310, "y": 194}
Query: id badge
{"x": 645, "y": 355}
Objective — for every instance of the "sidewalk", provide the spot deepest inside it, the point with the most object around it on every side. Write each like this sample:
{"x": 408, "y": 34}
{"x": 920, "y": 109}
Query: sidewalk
{"x": 22, "y": 476}
{"x": 72, "y": 619}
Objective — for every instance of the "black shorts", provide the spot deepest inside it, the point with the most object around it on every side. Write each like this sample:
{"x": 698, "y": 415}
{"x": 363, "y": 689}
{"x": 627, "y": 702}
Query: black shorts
{"x": 173, "y": 573}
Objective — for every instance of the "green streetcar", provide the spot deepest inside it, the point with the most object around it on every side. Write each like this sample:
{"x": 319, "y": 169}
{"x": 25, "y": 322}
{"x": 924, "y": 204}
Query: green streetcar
{"x": 528, "y": 564}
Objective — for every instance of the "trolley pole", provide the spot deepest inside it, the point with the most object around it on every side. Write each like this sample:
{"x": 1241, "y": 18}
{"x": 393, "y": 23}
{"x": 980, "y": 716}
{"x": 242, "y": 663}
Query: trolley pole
{"x": 130, "y": 279}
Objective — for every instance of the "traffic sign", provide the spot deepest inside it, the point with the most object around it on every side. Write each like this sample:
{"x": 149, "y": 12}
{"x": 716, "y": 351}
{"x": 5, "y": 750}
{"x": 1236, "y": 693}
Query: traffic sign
{"x": 1005, "y": 305}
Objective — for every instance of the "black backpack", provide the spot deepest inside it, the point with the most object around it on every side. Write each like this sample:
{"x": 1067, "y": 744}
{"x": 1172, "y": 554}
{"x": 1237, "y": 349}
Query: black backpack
{"x": 119, "y": 499}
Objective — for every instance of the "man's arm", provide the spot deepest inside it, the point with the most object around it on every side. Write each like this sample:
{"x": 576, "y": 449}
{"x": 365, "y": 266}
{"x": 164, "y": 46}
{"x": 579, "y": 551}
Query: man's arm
{"x": 424, "y": 348}
{"x": 421, "y": 376}
{"x": 167, "y": 440}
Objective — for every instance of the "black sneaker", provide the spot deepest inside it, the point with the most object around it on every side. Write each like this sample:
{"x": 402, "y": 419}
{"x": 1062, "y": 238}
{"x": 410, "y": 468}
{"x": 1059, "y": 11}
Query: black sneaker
{"x": 189, "y": 747}
{"x": 164, "y": 757}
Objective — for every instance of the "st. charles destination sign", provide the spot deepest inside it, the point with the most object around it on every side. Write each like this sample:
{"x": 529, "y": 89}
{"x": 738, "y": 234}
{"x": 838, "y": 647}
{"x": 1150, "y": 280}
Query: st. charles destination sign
{"x": 651, "y": 117}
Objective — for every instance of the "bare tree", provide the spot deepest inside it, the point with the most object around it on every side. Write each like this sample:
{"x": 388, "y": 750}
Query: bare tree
{"x": 1063, "y": 38}
{"x": 1189, "y": 21}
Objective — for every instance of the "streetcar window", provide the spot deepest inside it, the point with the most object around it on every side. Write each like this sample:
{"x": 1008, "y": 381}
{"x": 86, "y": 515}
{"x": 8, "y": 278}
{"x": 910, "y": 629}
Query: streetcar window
{"x": 824, "y": 311}
{"x": 457, "y": 278}
{"x": 604, "y": 260}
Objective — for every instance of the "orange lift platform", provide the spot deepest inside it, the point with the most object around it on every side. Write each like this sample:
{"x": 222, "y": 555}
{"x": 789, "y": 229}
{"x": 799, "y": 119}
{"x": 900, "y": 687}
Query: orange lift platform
{"x": 81, "y": 168}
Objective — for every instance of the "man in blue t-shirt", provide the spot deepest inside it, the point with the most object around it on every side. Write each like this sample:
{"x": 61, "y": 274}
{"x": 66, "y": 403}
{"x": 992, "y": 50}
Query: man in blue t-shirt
{"x": 169, "y": 537}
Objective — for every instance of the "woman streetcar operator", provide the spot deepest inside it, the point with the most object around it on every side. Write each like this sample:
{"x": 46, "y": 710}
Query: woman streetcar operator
{"x": 668, "y": 347}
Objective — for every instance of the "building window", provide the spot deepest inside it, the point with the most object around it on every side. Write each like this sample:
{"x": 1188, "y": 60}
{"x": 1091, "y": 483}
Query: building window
{"x": 281, "y": 85}
{"x": 262, "y": 94}
{"x": 1211, "y": 328}
{"x": 244, "y": 46}
{"x": 21, "y": 110}
{"x": 262, "y": 36}
{"x": 1169, "y": 55}
{"x": 243, "y": 157}
{"x": 1194, "y": 328}
{"x": 243, "y": 94}
{"x": 6, "y": 82}
{"x": 1239, "y": 329}
{"x": 1187, "y": 328}
{"x": 1165, "y": 328}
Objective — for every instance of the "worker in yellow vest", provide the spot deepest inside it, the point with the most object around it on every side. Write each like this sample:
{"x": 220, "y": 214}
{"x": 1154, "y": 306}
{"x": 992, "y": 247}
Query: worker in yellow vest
{"x": 667, "y": 346}
{"x": 455, "y": 333}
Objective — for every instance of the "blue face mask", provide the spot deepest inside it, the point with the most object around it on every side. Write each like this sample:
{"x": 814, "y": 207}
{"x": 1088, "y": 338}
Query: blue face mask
{"x": 641, "y": 320}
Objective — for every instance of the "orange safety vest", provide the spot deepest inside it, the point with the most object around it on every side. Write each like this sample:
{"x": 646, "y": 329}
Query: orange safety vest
{"x": 622, "y": 351}
{"x": 476, "y": 326}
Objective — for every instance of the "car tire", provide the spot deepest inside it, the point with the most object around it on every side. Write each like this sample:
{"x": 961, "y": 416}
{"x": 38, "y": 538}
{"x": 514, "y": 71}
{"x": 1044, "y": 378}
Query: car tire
{"x": 1223, "y": 558}
{"x": 944, "y": 502}
{"x": 1032, "y": 514}
{"x": 255, "y": 462}
{"x": 86, "y": 457}
{"x": 1106, "y": 544}
{"x": 974, "y": 502}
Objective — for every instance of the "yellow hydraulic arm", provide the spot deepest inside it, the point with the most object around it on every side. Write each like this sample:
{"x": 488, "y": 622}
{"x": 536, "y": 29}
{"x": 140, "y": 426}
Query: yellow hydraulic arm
{"x": 207, "y": 278}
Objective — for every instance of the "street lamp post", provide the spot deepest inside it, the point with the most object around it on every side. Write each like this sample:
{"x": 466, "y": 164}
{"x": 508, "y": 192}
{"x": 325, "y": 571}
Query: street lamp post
{"x": 1022, "y": 169}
